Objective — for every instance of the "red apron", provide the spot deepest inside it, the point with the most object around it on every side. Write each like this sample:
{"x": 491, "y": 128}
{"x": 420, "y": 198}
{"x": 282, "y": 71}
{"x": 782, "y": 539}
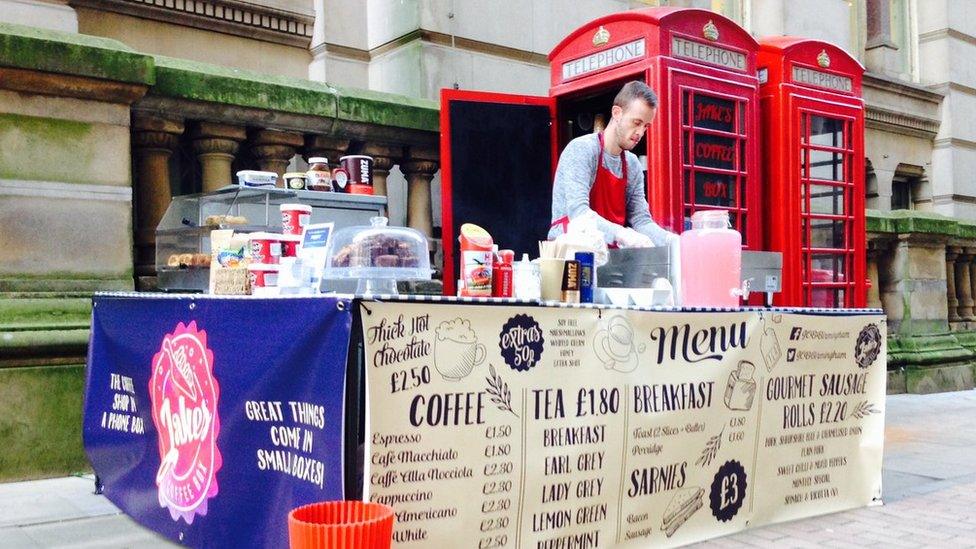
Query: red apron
{"x": 608, "y": 196}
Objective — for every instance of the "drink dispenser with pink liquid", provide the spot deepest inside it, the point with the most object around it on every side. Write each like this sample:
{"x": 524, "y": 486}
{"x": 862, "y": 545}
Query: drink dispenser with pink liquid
{"x": 711, "y": 261}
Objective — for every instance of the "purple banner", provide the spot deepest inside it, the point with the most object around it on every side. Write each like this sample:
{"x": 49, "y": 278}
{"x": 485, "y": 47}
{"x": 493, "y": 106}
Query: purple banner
{"x": 209, "y": 419}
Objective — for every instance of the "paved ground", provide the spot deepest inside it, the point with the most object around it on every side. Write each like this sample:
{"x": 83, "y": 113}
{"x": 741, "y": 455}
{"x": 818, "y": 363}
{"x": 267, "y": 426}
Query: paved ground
{"x": 929, "y": 493}
{"x": 929, "y": 485}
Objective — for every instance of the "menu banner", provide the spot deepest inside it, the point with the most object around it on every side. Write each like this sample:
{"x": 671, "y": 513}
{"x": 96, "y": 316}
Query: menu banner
{"x": 554, "y": 427}
{"x": 209, "y": 419}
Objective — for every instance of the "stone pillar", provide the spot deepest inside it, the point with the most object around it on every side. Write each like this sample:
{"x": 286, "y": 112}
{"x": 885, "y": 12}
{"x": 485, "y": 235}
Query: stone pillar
{"x": 153, "y": 141}
{"x": 964, "y": 290}
{"x": 216, "y": 145}
{"x": 384, "y": 157}
{"x": 913, "y": 274}
{"x": 951, "y": 300}
{"x": 874, "y": 292}
{"x": 971, "y": 253}
{"x": 419, "y": 171}
{"x": 274, "y": 149}
{"x": 331, "y": 148}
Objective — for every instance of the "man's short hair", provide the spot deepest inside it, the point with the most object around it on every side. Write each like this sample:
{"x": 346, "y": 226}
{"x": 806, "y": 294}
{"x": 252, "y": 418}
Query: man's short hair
{"x": 635, "y": 90}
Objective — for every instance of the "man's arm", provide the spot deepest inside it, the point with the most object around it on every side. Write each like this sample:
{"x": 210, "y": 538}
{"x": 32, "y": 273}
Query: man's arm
{"x": 638, "y": 211}
{"x": 574, "y": 179}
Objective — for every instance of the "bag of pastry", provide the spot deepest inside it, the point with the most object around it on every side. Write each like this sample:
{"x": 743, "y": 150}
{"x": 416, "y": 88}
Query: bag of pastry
{"x": 582, "y": 235}
{"x": 228, "y": 265}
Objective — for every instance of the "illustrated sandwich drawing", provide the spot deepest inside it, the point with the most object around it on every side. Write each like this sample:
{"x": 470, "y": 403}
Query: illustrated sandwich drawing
{"x": 684, "y": 504}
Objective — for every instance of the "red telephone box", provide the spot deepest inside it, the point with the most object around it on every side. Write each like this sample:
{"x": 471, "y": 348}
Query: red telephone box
{"x": 702, "y": 147}
{"x": 499, "y": 152}
{"x": 813, "y": 128}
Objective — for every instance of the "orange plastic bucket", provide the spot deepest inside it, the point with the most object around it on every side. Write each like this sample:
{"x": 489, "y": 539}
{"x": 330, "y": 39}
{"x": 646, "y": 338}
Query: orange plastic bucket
{"x": 341, "y": 525}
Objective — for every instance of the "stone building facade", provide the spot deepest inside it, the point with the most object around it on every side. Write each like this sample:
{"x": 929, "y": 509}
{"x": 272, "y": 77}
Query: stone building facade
{"x": 151, "y": 98}
{"x": 915, "y": 53}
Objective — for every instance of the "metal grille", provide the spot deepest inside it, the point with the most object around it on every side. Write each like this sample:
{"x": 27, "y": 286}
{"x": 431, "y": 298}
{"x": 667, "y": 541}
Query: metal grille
{"x": 826, "y": 187}
{"x": 713, "y": 156}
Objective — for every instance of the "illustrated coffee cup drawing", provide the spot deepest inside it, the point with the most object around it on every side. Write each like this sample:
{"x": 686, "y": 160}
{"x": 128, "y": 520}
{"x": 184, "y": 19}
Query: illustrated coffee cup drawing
{"x": 456, "y": 349}
{"x": 615, "y": 348}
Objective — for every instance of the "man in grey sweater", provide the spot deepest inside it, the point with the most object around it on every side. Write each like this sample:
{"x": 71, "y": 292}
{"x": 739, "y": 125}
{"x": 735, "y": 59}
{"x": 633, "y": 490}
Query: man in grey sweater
{"x": 591, "y": 178}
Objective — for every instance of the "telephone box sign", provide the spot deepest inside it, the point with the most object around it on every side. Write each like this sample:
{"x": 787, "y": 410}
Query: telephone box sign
{"x": 603, "y": 59}
{"x": 707, "y": 53}
{"x": 804, "y": 75}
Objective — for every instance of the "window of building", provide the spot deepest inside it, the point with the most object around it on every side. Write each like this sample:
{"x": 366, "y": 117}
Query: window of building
{"x": 858, "y": 18}
{"x": 901, "y": 194}
{"x": 903, "y": 33}
{"x": 892, "y": 37}
{"x": 905, "y": 186}
{"x": 736, "y": 10}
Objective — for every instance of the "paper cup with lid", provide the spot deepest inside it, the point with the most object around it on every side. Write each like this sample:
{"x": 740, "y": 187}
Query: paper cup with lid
{"x": 264, "y": 247}
{"x": 289, "y": 245}
{"x": 263, "y": 275}
{"x": 294, "y": 217}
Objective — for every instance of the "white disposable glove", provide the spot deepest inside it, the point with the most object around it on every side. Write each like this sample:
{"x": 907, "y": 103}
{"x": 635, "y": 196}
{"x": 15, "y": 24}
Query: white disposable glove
{"x": 629, "y": 238}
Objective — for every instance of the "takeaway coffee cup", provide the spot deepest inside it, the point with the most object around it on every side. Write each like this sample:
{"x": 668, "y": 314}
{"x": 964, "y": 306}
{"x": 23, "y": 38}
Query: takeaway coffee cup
{"x": 551, "y": 271}
{"x": 294, "y": 217}
{"x": 456, "y": 349}
{"x": 359, "y": 169}
{"x": 265, "y": 247}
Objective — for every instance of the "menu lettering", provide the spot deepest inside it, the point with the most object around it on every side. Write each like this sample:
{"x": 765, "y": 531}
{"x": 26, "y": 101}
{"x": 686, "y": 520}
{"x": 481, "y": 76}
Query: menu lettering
{"x": 549, "y": 427}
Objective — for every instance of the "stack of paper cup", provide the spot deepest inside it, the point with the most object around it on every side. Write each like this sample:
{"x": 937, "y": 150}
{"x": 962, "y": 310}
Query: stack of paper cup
{"x": 342, "y": 525}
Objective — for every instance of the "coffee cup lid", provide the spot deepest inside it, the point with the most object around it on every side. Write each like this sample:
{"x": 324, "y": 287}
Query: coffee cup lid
{"x": 293, "y": 207}
{"x": 263, "y": 236}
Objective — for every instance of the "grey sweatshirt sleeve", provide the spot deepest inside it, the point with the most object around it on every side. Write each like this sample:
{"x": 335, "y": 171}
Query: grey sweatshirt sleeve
{"x": 574, "y": 179}
{"x": 638, "y": 211}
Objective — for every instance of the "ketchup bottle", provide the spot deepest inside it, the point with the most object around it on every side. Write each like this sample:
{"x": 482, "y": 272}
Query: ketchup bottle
{"x": 501, "y": 276}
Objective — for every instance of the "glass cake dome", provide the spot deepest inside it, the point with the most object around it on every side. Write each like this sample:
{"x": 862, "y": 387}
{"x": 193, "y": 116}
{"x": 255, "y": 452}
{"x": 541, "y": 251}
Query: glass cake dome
{"x": 378, "y": 255}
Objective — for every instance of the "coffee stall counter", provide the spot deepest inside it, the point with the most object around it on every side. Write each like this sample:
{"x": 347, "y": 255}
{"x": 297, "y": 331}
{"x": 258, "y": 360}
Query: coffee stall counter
{"x": 200, "y": 410}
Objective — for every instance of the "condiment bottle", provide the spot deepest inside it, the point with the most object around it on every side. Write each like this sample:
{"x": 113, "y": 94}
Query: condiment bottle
{"x": 319, "y": 175}
{"x": 501, "y": 275}
{"x": 527, "y": 284}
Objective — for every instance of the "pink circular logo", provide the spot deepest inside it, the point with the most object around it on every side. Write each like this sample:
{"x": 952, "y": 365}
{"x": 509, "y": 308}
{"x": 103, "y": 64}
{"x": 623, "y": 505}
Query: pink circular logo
{"x": 184, "y": 397}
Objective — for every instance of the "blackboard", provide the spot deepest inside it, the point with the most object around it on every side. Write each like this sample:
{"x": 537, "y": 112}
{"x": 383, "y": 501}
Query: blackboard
{"x": 500, "y": 176}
